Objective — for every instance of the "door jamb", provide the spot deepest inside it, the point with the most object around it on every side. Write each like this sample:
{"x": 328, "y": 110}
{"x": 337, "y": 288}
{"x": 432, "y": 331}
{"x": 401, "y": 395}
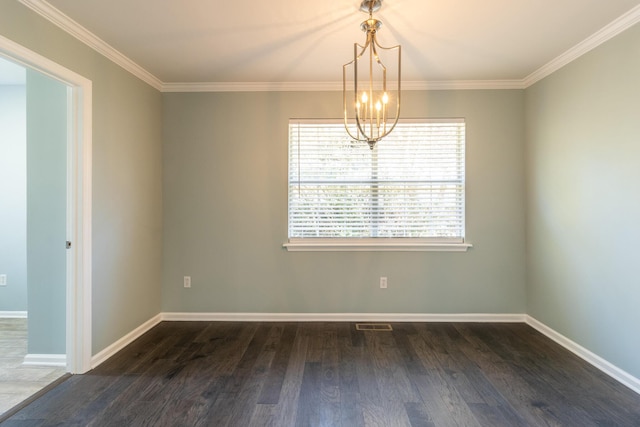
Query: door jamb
{"x": 79, "y": 175}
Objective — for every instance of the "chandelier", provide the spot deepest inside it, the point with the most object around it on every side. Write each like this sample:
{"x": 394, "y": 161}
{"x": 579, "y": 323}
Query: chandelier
{"x": 371, "y": 98}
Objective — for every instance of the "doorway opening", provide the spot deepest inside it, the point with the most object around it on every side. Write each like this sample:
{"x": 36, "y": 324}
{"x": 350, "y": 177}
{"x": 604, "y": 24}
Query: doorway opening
{"x": 77, "y": 256}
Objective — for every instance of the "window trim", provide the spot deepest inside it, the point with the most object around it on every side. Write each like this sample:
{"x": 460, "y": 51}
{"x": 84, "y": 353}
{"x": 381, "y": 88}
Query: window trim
{"x": 329, "y": 244}
{"x": 378, "y": 244}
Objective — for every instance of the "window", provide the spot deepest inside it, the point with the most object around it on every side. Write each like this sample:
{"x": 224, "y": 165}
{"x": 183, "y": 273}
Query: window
{"x": 407, "y": 193}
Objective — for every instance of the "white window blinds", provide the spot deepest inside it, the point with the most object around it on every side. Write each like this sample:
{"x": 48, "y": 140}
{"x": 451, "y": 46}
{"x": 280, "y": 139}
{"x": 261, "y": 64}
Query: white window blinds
{"x": 411, "y": 185}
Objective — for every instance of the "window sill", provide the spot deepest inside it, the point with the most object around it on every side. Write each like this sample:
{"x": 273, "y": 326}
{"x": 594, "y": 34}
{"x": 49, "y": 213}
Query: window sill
{"x": 374, "y": 245}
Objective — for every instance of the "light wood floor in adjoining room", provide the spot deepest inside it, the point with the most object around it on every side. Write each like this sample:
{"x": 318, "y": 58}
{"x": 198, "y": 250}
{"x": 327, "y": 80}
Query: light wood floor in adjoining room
{"x": 330, "y": 374}
{"x": 18, "y": 382}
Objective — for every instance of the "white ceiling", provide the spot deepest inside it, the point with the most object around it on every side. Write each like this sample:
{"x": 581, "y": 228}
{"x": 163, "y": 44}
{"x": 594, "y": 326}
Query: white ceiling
{"x": 188, "y": 41}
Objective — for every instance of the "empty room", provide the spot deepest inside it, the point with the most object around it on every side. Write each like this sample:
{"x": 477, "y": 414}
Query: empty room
{"x": 340, "y": 213}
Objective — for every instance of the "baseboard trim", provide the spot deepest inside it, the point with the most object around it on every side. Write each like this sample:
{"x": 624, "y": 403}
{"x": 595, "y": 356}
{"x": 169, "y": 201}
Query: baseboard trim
{"x": 343, "y": 317}
{"x": 13, "y": 314}
{"x": 58, "y": 360}
{"x": 608, "y": 368}
{"x": 105, "y": 354}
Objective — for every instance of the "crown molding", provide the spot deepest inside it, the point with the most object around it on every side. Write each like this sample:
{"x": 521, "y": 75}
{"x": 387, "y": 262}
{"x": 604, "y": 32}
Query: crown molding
{"x": 252, "y": 87}
{"x": 46, "y": 10}
{"x": 463, "y": 85}
{"x": 335, "y": 86}
{"x": 67, "y": 24}
{"x": 616, "y": 27}
{"x": 55, "y": 16}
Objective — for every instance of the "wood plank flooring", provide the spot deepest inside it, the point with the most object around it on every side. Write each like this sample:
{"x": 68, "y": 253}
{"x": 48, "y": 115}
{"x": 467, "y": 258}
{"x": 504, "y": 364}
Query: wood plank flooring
{"x": 329, "y": 374}
{"x": 18, "y": 382}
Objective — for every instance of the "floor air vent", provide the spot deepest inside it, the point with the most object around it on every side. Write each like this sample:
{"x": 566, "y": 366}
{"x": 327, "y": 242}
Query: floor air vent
{"x": 373, "y": 327}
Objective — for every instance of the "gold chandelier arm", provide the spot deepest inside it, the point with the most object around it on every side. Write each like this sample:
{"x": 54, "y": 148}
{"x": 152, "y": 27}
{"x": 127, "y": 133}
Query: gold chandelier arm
{"x": 381, "y": 64}
{"x": 364, "y": 48}
{"x": 369, "y": 121}
{"x": 345, "y": 103}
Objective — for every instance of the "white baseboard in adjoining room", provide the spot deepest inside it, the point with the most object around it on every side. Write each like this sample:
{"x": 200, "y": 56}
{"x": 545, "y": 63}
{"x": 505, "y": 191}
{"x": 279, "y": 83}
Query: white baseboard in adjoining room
{"x": 57, "y": 360}
{"x": 13, "y": 314}
{"x": 608, "y": 368}
{"x": 343, "y": 317}
{"x": 124, "y": 341}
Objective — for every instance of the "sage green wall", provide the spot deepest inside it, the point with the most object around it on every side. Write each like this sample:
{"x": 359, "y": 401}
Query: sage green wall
{"x": 224, "y": 203}
{"x": 225, "y": 213}
{"x": 13, "y": 196}
{"x": 127, "y": 176}
{"x": 583, "y": 208}
{"x": 46, "y": 213}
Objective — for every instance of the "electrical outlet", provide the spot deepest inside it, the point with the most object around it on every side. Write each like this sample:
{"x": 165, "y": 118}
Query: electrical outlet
{"x": 383, "y": 283}
{"x": 3, "y": 280}
{"x": 187, "y": 281}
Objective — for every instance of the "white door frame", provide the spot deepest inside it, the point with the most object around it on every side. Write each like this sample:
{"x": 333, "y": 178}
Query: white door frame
{"x": 78, "y": 299}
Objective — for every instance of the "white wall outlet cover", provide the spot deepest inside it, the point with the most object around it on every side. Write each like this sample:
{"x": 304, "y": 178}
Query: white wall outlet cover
{"x": 383, "y": 283}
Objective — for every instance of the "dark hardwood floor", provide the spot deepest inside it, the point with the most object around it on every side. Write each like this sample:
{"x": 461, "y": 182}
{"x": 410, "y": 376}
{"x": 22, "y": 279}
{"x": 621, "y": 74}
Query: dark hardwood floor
{"x": 329, "y": 374}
